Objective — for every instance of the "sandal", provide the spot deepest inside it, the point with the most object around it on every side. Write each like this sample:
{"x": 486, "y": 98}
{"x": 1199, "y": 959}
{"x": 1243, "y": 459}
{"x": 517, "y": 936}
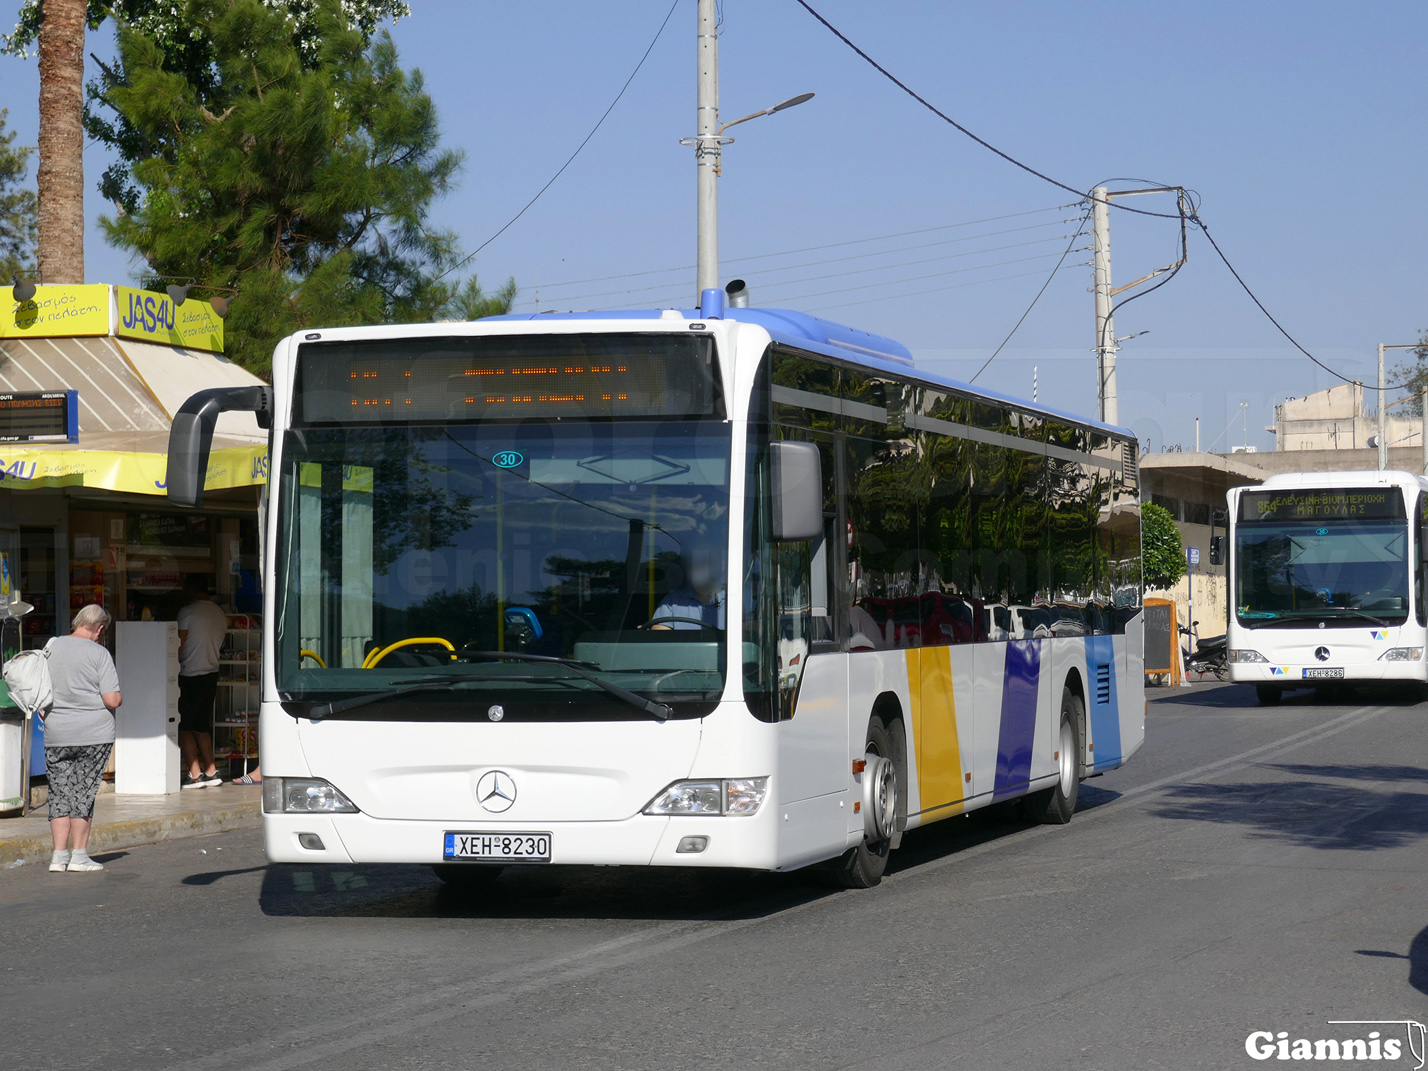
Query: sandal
{"x": 247, "y": 779}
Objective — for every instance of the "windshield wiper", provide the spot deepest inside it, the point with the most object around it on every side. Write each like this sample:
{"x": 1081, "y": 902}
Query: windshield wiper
{"x": 425, "y": 684}
{"x": 582, "y": 670}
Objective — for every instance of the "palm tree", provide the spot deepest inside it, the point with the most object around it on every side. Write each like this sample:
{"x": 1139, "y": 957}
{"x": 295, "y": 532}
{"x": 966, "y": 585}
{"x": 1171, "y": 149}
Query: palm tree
{"x": 61, "y": 172}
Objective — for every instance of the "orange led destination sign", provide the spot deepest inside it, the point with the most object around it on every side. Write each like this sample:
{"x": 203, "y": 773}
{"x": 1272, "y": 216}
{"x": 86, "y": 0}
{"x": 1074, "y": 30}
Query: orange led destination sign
{"x": 489, "y": 378}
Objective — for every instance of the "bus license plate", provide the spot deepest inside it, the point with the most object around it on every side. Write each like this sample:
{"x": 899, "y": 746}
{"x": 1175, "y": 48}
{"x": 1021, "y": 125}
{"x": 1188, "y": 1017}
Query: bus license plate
{"x": 498, "y": 847}
{"x": 1334, "y": 673}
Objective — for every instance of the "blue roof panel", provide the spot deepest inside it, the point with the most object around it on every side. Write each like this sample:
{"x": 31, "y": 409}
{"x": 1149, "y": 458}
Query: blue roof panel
{"x": 875, "y": 352}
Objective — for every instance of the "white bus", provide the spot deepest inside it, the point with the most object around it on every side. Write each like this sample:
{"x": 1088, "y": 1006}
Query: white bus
{"x": 673, "y": 588}
{"x": 1326, "y": 579}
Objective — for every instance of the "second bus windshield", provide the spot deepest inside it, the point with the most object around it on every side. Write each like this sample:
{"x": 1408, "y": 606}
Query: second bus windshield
{"x": 1322, "y": 569}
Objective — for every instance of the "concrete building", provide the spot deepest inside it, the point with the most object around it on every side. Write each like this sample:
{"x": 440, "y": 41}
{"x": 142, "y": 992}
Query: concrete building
{"x": 1336, "y": 419}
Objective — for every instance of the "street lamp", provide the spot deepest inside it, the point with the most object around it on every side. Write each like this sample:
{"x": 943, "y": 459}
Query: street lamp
{"x": 708, "y": 144}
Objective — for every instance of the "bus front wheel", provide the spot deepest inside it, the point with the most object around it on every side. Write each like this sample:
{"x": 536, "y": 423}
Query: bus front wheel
{"x": 1268, "y": 695}
{"x": 862, "y": 867}
{"x": 1056, "y": 805}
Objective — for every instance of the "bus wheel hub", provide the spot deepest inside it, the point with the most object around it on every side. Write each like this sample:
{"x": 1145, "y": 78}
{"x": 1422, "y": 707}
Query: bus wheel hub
{"x": 879, "y": 798}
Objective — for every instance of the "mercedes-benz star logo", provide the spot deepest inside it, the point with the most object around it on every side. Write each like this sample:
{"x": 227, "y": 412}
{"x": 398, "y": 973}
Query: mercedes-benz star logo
{"x": 1321, "y": 653}
{"x": 496, "y": 791}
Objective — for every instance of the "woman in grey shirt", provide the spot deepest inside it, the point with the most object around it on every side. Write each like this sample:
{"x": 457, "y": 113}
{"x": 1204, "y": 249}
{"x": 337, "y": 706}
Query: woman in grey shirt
{"x": 79, "y": 734}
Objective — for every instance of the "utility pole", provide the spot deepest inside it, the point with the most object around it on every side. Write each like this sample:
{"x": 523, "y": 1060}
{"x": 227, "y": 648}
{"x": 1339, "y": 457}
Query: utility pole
{"x": 1109, "y": 406}
{"x": 1382, "y": 414}
{"x": 706, "y": 149}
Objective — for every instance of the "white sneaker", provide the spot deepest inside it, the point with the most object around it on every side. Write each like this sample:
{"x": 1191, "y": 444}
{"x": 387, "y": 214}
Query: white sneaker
{"x": 59, "y": 862}
{"x": 84, "y": 864}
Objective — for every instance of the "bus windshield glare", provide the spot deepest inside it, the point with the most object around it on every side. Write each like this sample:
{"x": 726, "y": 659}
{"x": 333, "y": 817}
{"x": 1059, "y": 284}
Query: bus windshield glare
{"x": 416, "y": 550}
{"x": 1339, "y": 554}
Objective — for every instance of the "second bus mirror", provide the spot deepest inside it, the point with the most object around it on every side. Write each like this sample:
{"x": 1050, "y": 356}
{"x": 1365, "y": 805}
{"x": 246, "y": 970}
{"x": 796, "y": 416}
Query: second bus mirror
{"x": 1217, "y": 550}
{"x": 797, "y": 479}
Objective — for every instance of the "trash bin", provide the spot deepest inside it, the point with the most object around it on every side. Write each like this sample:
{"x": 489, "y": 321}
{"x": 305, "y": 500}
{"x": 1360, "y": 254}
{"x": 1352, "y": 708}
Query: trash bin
{"x": 15, "y": 747}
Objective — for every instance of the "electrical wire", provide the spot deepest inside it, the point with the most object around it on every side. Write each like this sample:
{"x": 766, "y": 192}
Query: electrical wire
{"x": 661, "y": 287}
{"x": 958, "y": 126}
{"x": 1079, "y": 231}
{"x": 658, "y": 34}
{"x": 1192, "y": 215}
{"x": 1278, "y": 326}
{"x": 836, "y": 245}
{"x": 933, "y": 290}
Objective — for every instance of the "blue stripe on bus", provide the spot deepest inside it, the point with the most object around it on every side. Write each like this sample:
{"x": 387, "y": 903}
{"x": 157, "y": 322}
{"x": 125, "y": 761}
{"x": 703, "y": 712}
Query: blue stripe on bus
{"x": 1018, "y": 726}
{"x": 1103, "y": 711}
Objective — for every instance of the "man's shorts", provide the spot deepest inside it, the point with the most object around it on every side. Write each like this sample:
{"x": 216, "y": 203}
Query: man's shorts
{"x": 195, "y": 705}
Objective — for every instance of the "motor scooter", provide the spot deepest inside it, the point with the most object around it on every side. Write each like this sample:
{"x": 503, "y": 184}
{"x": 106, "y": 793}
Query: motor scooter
{"x": 1209, "y": 657}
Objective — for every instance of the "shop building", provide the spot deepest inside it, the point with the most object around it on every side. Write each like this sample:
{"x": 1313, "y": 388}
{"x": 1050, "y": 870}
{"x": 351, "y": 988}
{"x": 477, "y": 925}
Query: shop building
{"x": 90, "y": 379}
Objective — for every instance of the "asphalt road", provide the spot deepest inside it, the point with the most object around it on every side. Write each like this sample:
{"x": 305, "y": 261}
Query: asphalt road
{"x": 1252, "y": 869}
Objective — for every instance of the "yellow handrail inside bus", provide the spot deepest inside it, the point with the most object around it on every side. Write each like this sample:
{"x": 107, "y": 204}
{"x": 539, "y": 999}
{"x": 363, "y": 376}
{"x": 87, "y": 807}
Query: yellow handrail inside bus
{"x": 314, "y": 656}
{"x": 370, "y": 662}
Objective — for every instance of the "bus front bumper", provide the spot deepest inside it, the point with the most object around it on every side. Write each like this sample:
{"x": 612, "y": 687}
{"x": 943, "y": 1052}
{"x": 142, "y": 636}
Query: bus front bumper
{"x": 643, "y": 840}
{"x": 1293, "y": 676}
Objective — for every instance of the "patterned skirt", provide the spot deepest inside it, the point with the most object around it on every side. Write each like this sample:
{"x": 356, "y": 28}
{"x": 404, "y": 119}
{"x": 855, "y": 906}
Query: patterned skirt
{"x": 74, "y": 775}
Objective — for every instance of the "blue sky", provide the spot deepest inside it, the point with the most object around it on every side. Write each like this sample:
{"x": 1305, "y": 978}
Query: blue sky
{"x": 1299, "y": 124}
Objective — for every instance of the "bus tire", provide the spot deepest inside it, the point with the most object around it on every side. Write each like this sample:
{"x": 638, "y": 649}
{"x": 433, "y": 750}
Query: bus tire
{"x": 467, "y": 876}
{"x": 1268, "y": 695}
{"x": 862, "y": 867}
{"x": 1056, "y": 805}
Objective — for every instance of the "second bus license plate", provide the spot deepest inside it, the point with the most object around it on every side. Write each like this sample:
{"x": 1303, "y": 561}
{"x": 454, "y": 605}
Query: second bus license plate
{"x": 497, "y": 847}
{"x": 1330, "y": 673}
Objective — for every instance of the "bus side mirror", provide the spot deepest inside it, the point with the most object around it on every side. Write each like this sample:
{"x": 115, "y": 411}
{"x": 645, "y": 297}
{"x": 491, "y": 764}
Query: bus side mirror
{"x": 1217, "y": 541}
{"x": 797, "y": 479}
{"x": 191, "y": 436}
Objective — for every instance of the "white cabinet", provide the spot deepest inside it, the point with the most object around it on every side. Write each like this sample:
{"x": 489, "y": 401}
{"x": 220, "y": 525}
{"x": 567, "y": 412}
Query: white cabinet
{"x": 146, "y": 751}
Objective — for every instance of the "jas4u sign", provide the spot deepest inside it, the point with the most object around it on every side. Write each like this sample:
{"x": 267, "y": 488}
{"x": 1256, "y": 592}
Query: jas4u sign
{"x": 153, "y": 317}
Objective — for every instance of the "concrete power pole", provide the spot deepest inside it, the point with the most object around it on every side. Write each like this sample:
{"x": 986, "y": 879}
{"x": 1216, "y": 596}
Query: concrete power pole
{"x": 1382, "y": 414}
{"x": 706, "y": 150}
{"x": 1109, "y": 406}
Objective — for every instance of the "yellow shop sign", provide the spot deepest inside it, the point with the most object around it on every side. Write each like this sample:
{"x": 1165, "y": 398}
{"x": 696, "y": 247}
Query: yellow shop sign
{"x": 56, "y": 311}
{"x": 153, "y": 317}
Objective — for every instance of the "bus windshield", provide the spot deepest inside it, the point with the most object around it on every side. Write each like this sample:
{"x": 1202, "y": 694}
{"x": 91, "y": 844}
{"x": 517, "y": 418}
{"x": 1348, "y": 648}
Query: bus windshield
{"x": 407, "y": 552}
{"x": 1339, "y": 569}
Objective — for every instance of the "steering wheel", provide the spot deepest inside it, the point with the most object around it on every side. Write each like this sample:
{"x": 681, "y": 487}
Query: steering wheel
{"x": 686, "y": 620}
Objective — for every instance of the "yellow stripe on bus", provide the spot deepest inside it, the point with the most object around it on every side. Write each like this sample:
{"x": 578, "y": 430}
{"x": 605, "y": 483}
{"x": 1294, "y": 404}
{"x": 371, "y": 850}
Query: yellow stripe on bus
{"x": 934, "y": 730}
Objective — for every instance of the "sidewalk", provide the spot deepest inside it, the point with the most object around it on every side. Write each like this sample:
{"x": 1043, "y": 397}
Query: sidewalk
{"x": 127, "y": 821}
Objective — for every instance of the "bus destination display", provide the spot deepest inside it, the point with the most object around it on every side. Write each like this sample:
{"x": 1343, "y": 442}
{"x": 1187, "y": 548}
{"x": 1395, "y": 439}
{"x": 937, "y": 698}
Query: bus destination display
{"x": 39, "y": 416}
{"x": 502, "y": 378}
{"x": 1337, "y": 504}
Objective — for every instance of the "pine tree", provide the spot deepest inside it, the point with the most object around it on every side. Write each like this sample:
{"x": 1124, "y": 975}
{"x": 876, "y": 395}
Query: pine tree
{"x": 302, "y": 181}
{"x": 18, "y": 207}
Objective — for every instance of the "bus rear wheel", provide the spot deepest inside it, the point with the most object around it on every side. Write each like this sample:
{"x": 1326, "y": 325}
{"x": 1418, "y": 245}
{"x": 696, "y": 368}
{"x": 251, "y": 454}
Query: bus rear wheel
{"x": 1056, "y": 805}
{"x": 862, "y": 867}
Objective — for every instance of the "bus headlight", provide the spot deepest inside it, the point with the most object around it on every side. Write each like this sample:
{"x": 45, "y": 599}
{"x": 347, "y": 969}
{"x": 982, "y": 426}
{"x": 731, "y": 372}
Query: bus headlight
{"x": 730, "y": 796}
{"x": 1246, "y": 656}
{"x": 304, "y": 795}
{"x": 1401, "y": 654}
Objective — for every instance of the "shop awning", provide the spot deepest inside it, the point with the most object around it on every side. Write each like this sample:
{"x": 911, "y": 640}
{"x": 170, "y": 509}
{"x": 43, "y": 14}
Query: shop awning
{"x": 128, "y": 392}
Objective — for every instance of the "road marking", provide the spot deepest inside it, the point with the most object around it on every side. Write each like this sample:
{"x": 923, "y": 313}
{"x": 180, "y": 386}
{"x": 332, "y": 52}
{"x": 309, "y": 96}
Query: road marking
{"x": 1220, "y": 766}
{"x": 305, "y": 1045}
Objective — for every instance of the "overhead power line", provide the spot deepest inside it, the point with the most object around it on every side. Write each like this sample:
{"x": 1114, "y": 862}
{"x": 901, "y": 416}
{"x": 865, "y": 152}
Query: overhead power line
{"x": 834, "y": 245}
{"x": 1079, "y": 231}
{"x": 1193, "y": 216}
{"x": 598, "y": 123}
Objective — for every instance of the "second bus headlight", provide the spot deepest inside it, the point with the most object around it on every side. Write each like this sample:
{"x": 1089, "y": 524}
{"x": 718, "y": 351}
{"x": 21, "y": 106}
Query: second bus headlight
{"x": 730, "y": 796}
{"x": 304, "y": 795}
{"x": 1401, "y": 654}
{"x": 1246, "y": 656}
